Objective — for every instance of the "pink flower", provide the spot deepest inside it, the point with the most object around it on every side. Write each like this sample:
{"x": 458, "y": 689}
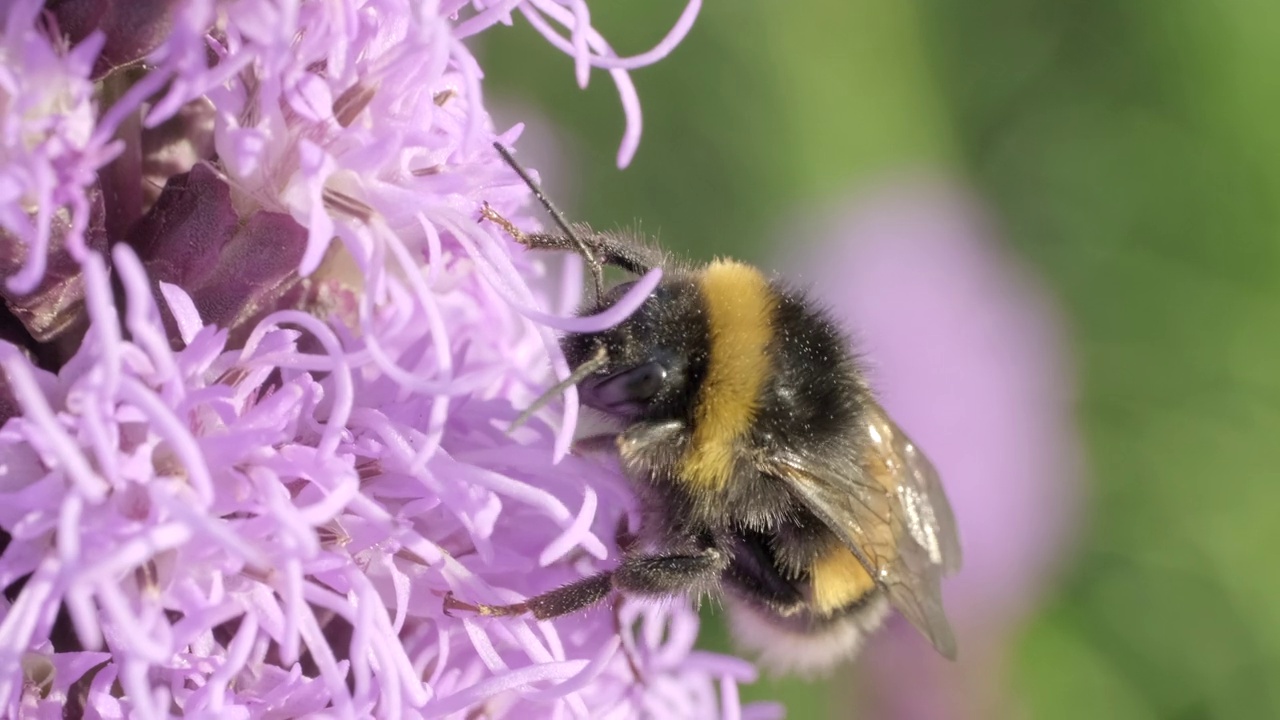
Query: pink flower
{"x": 243, "y": 463}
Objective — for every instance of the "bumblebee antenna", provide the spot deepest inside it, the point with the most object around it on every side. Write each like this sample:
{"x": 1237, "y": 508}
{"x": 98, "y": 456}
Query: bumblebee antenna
{"x": 597, "y": 271}
{"x": 596, "y": 362}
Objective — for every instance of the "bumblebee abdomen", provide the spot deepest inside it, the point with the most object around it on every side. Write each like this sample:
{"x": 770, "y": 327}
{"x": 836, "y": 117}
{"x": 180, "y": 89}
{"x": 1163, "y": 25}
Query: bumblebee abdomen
{"x": 804, "y": 644}
{"x": 802, "y": 619}
{"x": 838, "y": 581}
{"x": 798, "y": 569}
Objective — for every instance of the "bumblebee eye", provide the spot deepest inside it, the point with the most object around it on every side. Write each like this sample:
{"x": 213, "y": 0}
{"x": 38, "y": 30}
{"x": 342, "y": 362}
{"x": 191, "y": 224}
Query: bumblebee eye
{"x": 627, "y": 389}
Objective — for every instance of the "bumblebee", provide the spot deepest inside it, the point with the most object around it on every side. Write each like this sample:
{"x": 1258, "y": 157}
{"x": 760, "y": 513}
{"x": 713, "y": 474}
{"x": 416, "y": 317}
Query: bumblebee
{"x": 764, "y": 466}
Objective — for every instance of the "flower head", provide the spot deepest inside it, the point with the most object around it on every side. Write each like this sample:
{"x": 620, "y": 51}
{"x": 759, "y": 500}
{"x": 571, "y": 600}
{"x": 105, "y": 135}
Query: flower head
{"x": 250, "y": 449}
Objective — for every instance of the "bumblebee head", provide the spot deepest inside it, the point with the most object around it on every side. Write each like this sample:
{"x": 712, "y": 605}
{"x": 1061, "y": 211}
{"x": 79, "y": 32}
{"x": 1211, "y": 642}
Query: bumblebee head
{"x": 646, "y": 367}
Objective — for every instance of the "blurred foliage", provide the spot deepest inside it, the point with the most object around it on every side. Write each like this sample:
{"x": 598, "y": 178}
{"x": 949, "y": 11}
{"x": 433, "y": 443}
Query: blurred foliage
{"x": 1131, "y": 151}
{"x": 743, "y": 121}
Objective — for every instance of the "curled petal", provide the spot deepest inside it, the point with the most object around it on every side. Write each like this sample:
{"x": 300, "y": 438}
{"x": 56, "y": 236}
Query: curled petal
{"x": 248, "y": 452}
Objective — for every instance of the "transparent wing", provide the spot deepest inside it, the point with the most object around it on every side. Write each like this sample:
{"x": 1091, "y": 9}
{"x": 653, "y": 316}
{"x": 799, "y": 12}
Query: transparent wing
{"x": 889, "y": 507}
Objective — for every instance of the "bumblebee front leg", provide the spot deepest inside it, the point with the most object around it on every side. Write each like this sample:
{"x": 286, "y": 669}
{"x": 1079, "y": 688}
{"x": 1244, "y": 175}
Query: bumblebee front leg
{"x": 603, "y": 248}
{"x": 650, "y": 575}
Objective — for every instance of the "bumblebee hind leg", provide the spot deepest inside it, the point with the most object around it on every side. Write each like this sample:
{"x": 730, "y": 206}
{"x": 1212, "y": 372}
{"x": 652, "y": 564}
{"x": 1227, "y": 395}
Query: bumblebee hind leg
{"x": 563, "y": 600}
{"x": 645, "y": 575}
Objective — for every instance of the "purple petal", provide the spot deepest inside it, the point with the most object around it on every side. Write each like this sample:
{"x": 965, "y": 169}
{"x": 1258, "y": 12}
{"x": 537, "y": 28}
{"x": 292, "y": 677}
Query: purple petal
{"x": 281, "y": 440}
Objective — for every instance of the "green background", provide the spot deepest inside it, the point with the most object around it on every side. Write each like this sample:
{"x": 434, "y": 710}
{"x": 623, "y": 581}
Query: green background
{"x": 1131, "y": 152}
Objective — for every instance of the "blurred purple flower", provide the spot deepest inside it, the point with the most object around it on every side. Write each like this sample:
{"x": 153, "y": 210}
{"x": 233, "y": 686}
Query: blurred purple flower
{"x": 243, "y": 463}
{"x": 967, "y": 352}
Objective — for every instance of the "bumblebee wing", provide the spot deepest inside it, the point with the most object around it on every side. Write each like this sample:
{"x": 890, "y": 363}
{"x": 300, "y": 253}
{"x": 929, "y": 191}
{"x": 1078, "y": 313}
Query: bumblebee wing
{"x": 889, "y": 507}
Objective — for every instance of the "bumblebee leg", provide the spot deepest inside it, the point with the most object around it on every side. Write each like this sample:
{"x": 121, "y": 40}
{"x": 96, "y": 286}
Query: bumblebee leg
{"x": 656, "y": 445}
{"x": 593, "y": 444}
{"x": 638, "y": 574}
{"x": 626, "y": 650}
{"x": 604, "y": 248}
{"x": 660, "y": 575}
{"x": 635, "y": 440}
{"x": 570, "y": 598}
{"x": 623, "y": 535}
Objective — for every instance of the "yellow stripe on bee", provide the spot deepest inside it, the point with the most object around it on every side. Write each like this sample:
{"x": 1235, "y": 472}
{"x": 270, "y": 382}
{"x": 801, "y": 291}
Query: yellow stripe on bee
{"x": 839, "y": 580}
{"x": 740, "y": 307}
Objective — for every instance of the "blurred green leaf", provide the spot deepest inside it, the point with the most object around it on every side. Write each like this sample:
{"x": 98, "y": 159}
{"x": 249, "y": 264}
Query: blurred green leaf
{"x": 759, "y": 110}
{"x": 1091, "y": 690}
{"x": 1119, "y": 145}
